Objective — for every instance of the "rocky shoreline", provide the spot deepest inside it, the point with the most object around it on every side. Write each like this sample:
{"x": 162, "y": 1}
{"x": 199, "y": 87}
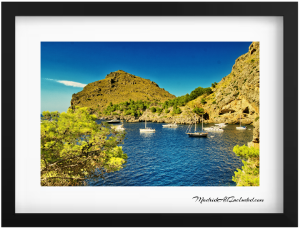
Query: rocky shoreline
{"x": 177, "y": 119}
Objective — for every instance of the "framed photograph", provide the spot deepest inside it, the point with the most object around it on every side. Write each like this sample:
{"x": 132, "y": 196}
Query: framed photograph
{"x": 150, "y": 114}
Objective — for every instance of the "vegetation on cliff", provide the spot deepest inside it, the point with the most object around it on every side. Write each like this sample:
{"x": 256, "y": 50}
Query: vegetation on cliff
{"x": 249, "y": 174}
{"x": 131, "y": 107}
{"x": 183, "y": 100}
{"x": 74, "y": 148}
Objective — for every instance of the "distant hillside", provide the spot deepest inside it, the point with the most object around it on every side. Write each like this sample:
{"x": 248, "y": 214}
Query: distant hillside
{"x": 118, "y": 87}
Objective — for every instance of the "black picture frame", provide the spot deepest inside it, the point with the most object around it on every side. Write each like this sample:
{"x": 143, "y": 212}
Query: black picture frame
{"x": 288, "y": 10}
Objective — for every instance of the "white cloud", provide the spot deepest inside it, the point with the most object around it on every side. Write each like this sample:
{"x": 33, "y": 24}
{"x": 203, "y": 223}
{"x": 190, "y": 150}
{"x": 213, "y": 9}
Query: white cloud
{"x": 68, "y": 83}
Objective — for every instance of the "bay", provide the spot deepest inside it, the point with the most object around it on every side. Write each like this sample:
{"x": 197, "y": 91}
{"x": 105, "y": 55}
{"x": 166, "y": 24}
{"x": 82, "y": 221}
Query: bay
{"x": 169, "y": 157}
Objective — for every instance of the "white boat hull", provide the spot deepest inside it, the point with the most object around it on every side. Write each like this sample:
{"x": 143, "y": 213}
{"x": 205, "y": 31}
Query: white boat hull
{"x": 169, "y": 125}
{"x": 147, "y": 130}
{"x": 213, "y": 129}
{"x": 113, "y": 121}
{"x": 241, "y": 128}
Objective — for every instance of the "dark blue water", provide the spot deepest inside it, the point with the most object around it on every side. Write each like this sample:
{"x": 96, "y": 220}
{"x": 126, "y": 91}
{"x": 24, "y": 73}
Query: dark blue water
{"x": 169, "y": 157}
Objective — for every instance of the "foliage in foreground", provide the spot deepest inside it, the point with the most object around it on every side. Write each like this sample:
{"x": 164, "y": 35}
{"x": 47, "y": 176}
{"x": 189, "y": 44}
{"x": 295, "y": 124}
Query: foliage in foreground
{"x": 249, "y": 175}
{"x": 74, "y": 148}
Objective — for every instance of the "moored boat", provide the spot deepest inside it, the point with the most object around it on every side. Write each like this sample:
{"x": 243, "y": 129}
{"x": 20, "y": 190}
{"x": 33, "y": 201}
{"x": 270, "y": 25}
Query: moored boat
{"x": 147, "y": 129}
{"x": 213, "y": 129}
{"x": 170, "y": 125}
{"x": 222, "y": 125}
{"x": 195, "y": 133}
{"x": 241, "y": 127}
{"x": 114, "y": 121}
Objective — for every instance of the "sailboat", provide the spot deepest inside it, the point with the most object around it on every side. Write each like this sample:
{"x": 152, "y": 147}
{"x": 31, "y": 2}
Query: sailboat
{"x": 147, "y": 129}
{"x": 240, "y": 127}
{"x": 197, "y": 134}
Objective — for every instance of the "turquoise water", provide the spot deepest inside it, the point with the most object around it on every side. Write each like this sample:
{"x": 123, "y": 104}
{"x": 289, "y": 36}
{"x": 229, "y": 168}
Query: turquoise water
{"x": 169, "y": 157}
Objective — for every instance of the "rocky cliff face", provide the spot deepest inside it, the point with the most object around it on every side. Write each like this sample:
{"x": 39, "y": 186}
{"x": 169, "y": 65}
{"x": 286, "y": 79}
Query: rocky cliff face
{"x": 118, "y": 87}
{"x": 236, "y": 96}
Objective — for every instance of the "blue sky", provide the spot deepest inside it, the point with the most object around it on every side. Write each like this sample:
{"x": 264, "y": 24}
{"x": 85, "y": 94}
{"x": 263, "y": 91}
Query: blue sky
{"x": 178, "y": 67}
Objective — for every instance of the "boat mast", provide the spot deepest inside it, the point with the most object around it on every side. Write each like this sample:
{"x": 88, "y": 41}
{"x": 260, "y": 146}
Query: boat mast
{"x": 195, "y": 122}
{"x": 240, "y": 121}
{"x": 202, "y": 122}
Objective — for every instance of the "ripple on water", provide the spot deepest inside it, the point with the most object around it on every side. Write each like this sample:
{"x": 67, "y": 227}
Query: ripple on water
{"x": 169, "y": 157}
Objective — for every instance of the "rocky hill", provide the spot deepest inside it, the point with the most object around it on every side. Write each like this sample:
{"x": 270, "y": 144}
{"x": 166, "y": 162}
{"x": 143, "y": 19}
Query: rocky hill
{"x": 117, "y": 87}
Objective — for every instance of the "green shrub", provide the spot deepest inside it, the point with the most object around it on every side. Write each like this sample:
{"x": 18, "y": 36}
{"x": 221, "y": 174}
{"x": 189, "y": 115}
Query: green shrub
{"x": 114, "y": 113}
{"x": 198, "y": 111}
{"x": 159, "y": 110}
{"x": 249, "y": 174}
{"x": 167, "y": 111}
{"x": 127, "y": 112}
{"x": 74, "y": 146}
{"x": 214, "y": 102}
{"x": 257, "y": 118}
{"x": 176, "y": 110}
{"x": 153, "y": 109}
{"x": 203, "y": 101}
